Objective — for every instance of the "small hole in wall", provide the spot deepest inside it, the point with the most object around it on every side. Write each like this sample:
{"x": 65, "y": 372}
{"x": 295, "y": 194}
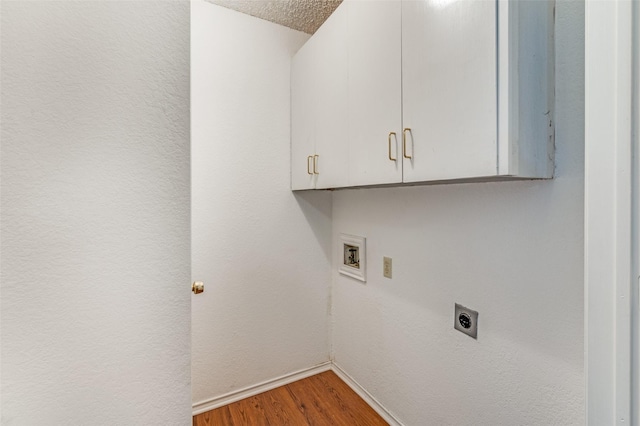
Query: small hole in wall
{"x": 352, "y": 256}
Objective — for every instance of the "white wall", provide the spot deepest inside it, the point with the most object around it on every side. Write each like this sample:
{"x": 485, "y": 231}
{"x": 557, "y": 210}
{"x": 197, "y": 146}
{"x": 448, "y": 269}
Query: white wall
{"x": 95, "y": 213}
{"x": 262, "y": 251}
{"x": 512, "y": 251}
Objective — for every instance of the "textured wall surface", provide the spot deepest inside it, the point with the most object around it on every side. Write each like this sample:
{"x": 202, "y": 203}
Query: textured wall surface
{"x": 512, "y": 251}
{"x": 95, "y": 213}
{"x": 262, "y": 251}
{"x": 301, "y": 15}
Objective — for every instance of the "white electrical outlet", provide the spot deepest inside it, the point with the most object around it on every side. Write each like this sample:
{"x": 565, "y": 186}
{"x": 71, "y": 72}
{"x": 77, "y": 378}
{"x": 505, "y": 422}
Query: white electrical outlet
{"x": 386, "y": 267}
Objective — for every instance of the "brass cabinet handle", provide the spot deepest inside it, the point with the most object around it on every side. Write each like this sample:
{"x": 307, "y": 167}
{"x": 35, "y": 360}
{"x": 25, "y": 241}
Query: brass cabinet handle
{"x": 315, "y": 165}
{"x": 308, "y": 166}
{"x": 404, "y": 142}
{"x": 390, "y": 157}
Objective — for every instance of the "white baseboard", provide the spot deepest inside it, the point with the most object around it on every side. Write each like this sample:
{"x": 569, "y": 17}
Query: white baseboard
{"x": 231, "y": 397}
{"x": 368, "y": 398}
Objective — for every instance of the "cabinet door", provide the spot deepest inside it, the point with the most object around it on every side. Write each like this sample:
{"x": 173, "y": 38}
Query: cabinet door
{"x": 303, "y": 112}
{"x": 375, "y": 90}
{"x": 330, "y": 69}
{"x": 449, "y": 89}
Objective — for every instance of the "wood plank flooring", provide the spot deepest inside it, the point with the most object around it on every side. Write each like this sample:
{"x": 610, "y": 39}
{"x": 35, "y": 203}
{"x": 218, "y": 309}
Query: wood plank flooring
{"x": 320, "y": 400}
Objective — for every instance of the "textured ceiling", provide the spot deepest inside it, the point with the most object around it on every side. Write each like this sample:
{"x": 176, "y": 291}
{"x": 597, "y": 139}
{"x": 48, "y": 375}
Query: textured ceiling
{"x": 301, "y": 15}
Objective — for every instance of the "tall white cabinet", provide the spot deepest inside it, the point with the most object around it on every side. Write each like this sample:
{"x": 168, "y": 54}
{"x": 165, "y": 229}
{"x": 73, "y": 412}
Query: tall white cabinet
{"x": 427, "y": 92}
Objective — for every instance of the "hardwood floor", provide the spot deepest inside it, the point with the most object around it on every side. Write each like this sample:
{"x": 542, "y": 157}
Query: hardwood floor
{"x": 320, "y": 400}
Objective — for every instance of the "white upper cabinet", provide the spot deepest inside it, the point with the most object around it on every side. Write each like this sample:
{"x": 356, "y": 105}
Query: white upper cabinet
{"x": 449, "y": 89}
{"x": 426, "y": 91}
{"x": 477, "y": 89}
{"x": 319, "y": 126}
{"x": 375, "y": 91}
{"x": 303, "y": 112}
{"x": 331, "y": 162}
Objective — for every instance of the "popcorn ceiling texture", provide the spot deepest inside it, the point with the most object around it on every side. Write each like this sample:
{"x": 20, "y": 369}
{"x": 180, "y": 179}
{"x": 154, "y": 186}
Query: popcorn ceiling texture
{"x": 301, "y": 15}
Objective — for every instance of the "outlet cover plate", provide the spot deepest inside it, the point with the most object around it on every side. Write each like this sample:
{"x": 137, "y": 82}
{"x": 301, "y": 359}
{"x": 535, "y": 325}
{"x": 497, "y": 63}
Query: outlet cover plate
{"x": 387, "y": 266}
{"x": 466, "y": 320}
